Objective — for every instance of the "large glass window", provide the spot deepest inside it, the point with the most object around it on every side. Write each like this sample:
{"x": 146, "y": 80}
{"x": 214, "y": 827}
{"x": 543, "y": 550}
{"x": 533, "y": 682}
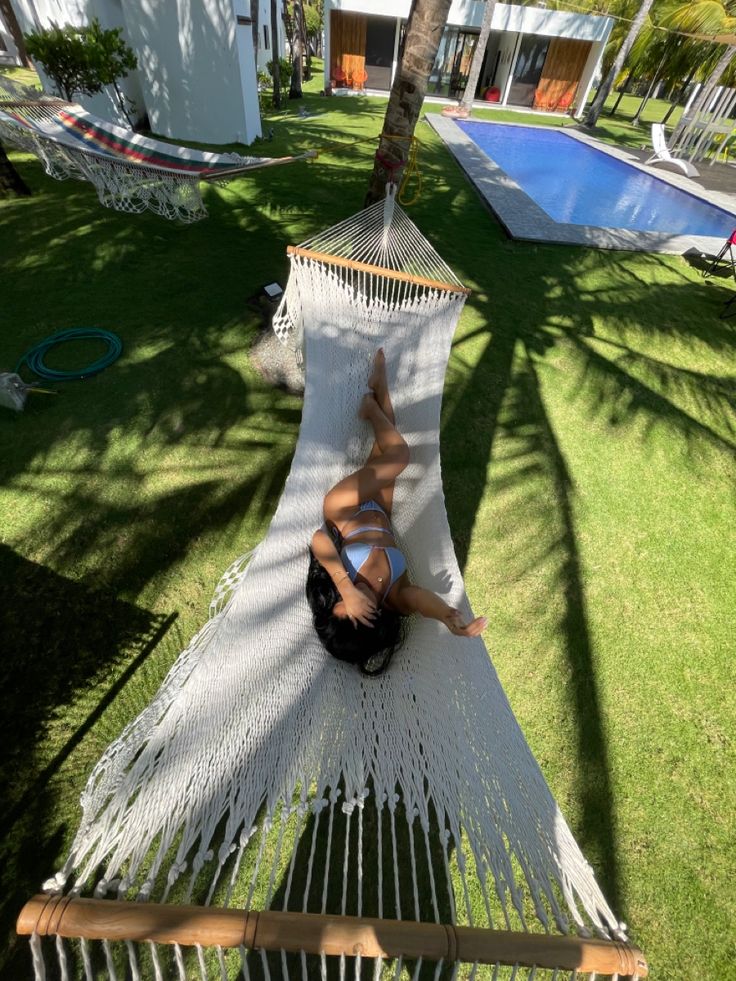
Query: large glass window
{"x": 449, "y": 74}
{"x": 528, "y": 70}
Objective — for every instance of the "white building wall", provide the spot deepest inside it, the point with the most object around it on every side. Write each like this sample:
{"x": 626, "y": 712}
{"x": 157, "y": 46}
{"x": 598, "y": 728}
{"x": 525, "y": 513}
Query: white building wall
{"x": 35, "y": 15}
{"x": 196, "y": 74}
{"x": 189, "y": 54}
{"x": 264, "y": 50}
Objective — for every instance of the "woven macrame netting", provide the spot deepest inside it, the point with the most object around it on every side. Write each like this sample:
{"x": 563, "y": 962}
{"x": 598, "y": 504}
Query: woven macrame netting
{"x": 267, "y": 774}
{"x": 122, "y": 183}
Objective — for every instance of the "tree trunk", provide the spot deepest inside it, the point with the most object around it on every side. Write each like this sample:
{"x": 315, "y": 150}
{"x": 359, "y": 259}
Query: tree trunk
{"x": 427, "y": 19}
{"x": 602, "y": 94}
{"x": 297, "y": 50}
{"x": 622, "y": 92}
{"x": 706, "y": 93}
{"x": 6, "y": 9}
{"x": 255, "y": 27}
{"x": 680, "y": 95}
{"x": 642, "y": 106}
{"x": 12, "y": 184}
{"x": 275, "y": 55}
{"x": 478, "y": 55}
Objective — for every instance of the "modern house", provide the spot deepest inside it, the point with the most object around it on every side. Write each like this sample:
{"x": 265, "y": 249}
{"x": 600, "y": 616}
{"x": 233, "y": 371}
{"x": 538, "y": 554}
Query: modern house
{"x": 196, "y": 75}
{"x": 535, "y": 58}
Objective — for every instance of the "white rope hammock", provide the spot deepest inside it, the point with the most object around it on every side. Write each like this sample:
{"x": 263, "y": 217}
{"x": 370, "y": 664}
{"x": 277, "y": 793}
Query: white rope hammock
{"x": 130, "y": 172}
{"x": 267, "y": 775}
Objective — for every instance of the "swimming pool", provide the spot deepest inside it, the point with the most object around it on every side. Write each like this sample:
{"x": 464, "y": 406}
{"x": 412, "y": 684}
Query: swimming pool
{"x": 577, "y": 184}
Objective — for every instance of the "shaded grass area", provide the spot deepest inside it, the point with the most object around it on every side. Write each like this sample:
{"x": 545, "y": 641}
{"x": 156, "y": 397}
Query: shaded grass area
{"x": 588, "y": 460}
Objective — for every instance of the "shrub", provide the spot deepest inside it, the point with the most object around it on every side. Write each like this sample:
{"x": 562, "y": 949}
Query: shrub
{"x": 284, "y": 69}
{"x": 82, "y": 59}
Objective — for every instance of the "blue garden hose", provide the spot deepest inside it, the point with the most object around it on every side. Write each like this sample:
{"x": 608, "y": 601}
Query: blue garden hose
{"x": 34, "y": 358}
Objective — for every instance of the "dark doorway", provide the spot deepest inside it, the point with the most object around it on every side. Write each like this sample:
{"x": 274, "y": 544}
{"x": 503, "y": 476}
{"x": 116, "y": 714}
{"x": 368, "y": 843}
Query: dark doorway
{"x": 379, "y": 51}
{"x": 528, "y": 70}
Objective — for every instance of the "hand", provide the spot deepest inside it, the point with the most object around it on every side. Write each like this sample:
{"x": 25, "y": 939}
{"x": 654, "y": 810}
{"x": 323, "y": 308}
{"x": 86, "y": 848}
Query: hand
{"x": 453, "y": 621}
{"x": 359, "y": 607}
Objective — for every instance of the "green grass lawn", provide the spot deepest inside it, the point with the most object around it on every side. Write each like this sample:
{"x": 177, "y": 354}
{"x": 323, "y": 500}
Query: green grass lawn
{"x": 588, "y": 436}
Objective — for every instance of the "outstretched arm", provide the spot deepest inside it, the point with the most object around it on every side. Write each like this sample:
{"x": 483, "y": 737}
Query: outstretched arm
{"x": 358, "y": 606}
{"x": 414, "y": 599}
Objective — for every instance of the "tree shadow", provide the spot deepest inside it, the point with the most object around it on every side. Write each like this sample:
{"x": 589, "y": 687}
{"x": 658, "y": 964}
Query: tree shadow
{"x": 57, "y": 659}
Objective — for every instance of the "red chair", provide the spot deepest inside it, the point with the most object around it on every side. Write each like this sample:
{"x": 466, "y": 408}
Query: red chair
{"x": 338, "y": 78}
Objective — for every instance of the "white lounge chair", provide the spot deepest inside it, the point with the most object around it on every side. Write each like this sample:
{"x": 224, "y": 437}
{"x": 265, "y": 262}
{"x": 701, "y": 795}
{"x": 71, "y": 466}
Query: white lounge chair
{"x": 662, "y": 156}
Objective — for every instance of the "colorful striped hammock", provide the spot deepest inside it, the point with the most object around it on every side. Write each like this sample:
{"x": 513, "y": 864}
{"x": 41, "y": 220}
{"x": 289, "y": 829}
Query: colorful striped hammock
{"x": 130, "y": 172}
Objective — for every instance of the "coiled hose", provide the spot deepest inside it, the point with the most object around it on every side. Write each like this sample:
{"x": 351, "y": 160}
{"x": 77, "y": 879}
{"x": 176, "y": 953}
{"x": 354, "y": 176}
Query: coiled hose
{"x": 34, "y": 358}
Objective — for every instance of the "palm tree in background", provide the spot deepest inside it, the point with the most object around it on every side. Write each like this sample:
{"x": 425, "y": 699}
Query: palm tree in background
{"x": 424, "y": 29}
{"x": 637, "y": 24}
{"x": 709, "y": 18}
{"x": 478, "y": 55}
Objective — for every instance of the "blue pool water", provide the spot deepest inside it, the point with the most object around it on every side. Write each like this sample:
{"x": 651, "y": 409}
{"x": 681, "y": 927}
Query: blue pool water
{"x": 577, "y": 184}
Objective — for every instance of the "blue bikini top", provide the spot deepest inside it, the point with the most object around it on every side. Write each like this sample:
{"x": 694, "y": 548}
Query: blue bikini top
{"x": 356, "y": 555}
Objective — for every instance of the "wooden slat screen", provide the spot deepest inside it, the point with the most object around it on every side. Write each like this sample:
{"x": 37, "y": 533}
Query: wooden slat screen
{"x": 347, "y": 47}
{"x": 563, "y": 67}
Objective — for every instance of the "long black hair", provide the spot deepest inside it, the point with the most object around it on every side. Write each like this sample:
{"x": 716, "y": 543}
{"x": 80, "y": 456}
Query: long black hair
{"x": 370, "y": 648}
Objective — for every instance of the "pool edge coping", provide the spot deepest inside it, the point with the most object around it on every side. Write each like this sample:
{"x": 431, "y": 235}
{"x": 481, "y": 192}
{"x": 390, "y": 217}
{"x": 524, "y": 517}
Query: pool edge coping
{"x": 525, "y": 220}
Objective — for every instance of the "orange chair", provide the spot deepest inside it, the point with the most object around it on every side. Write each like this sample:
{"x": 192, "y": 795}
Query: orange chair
{"x": 358, "y": 79}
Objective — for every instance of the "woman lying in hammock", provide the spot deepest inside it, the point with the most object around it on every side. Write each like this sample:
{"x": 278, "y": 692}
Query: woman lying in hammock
{"x": 357, "y": 584}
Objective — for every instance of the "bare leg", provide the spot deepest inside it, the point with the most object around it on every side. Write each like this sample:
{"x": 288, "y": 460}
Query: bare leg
{"x": 388, "y": 457}
{"x": 378, "y": 384}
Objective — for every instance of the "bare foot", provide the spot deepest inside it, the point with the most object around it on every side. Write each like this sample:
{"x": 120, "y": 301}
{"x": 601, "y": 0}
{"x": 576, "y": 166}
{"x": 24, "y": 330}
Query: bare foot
{"x": 368, "y": 406}
{"x": 377, "y": 376}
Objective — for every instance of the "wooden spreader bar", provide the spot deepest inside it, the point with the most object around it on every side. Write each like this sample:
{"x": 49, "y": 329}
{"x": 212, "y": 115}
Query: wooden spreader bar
{"x": 367, "y": 267}
{"x": 107, "y": 919}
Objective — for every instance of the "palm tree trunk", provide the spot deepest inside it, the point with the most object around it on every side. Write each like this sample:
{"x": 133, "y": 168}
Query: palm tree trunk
{"x": 427, "y": 19}
{"x": 6, "y": 9}
{"x": 706, "y": 93}
{"x": 297, "y": 48}
{"x": 622, "y": 92}
{"x": 478, "y": 55}
{"x": 680, "y": 94}
{"x": 12, "y": 184}
{"x": 618, "y": 63}
{"x": 254, "y": 11}
{"x": 275, "y": 55}
{"x": 642, "y": 105}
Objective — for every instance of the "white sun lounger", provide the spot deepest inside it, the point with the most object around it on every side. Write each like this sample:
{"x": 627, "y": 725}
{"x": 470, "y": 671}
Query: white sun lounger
{"x": 662, "y": 156}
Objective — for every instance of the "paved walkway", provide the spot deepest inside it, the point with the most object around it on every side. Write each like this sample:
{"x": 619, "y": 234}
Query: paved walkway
{"x": 720, "y": 177}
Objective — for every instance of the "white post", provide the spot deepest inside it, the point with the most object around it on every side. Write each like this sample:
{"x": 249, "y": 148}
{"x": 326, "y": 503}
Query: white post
{"x": 395, "y": 62}
{"x": 327, "y": 42}
{"x": 512, "y": 68}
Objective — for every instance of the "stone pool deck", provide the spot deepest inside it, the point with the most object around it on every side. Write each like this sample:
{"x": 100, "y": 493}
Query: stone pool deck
{"x": 524, "y": 219}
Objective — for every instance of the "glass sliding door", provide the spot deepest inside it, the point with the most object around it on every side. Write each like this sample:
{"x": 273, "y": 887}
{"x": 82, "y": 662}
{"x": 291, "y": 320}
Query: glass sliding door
{"x": 528, "y": 70}
{"x": 379, "y": 51}
{"x": 452, "y": 64}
